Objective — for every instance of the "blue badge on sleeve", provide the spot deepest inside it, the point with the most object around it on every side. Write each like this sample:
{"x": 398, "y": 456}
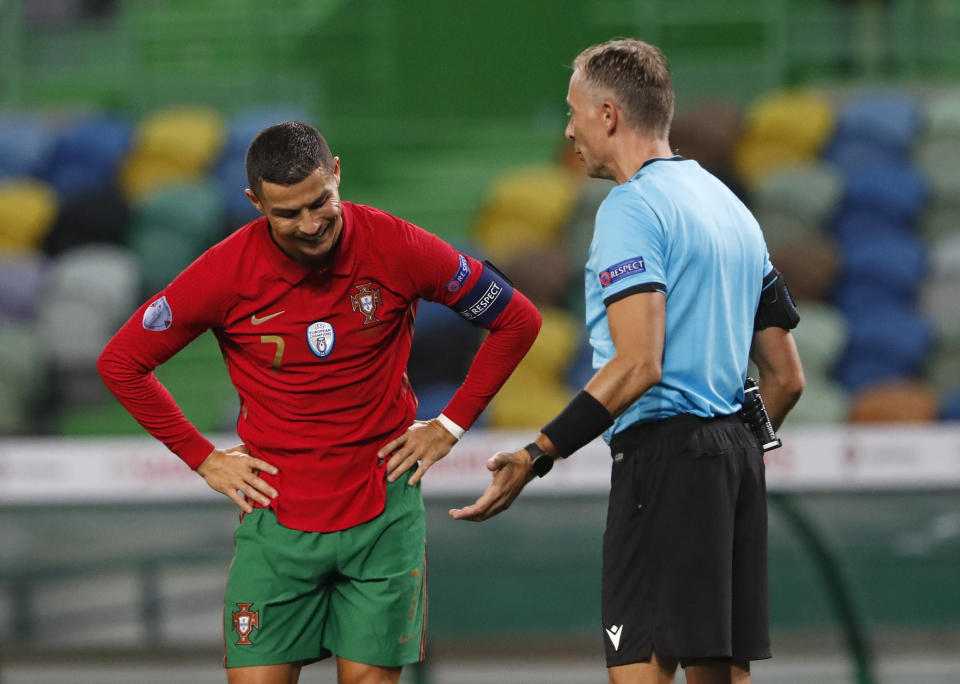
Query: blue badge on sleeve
{"x": 457, "y": 281}
{"x": 158, "y": 316}
{"x": 621, "y": 270}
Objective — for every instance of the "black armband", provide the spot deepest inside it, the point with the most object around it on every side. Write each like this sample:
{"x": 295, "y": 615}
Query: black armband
{"x": 776, "y": 308}
{"x": 487, "y": 298}
{"x": 583, "y": 419}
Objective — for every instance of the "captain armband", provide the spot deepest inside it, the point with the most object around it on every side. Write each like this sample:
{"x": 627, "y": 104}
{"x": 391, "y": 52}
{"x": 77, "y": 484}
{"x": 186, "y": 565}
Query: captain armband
{"x": 487, "y": 298}
{"x": 776, "y": 308}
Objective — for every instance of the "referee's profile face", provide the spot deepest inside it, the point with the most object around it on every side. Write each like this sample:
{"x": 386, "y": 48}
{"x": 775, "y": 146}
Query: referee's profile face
{"x": 305, "y": 218}
{"x": 585, "y": 127}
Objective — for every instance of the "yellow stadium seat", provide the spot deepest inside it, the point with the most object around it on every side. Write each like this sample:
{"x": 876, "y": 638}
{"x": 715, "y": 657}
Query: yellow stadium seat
{"x": 28, "y": 208}
{"x": 526, "y": 207}
{"x": 174, "y": 144}
{"x": 801, "y": 120}
{"x": 536, "y": 391}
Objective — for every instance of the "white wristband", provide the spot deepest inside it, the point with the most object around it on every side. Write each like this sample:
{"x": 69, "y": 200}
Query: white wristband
{"x": 450, "y": 426}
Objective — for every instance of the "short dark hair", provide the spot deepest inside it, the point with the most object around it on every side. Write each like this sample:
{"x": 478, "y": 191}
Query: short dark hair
{"x": 638, "y": 76}
{"x": 285, "y": 154}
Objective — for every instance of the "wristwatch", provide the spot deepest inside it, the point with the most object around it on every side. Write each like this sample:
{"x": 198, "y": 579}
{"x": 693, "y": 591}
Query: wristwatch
{"x": 540, "y": 461}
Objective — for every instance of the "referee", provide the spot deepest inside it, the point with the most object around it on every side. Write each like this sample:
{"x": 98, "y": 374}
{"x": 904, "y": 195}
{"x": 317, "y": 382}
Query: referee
{"x": 680, "y": 294}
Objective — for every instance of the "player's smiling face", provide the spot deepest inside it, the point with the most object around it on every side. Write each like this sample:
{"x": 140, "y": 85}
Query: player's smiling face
{"x": 305, "y": 218}
{"x": 586, "y": 127}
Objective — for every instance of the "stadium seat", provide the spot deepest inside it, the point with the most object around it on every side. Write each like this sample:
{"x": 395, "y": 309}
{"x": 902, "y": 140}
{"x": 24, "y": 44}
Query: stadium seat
{"x": 810, "y": 191}
{"x": 231, "y": 177}
{"x": 897, "y": 401}
{"x": 25, "y": 143}
{"x": 941, "y": 288}
{"x": 194, "y": 211}
{"x": 537, "y": 391}
{"x": 821, "y": 337}
{"x": 20, "y": 278}
{"x": 892, "y": 264}
{"x": 526, "y": 207}
{"x": 707, "y": 132}
{"x": 942, "y": 369}
{"x": 824, "y": 402}
{"x": 936, "y": 159}
{"x": 942, "y": 114}
{"x": 105, "y": 276}
{"x": 101, "y": 215}
{"x": 897, "y": 190}
{"x": 890, "y": 121}
{"x": 885, "y": 342}
{"x": 810, "y": 267}
{"x": 849, "y": 154}
{"x": 950, "y": 407}
{"x": 191, "y": 136}
{"x": 87, "y": 154}
{"x": 175, "y": 144}
{"x": 27, "y": 211}
{"x": 22, "y": 376}
{"x": 801, "y": 120}
{"x": 162, "y": 253}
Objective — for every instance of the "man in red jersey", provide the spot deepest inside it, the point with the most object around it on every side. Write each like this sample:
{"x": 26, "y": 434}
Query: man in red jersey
{"x": 313, "y": 306}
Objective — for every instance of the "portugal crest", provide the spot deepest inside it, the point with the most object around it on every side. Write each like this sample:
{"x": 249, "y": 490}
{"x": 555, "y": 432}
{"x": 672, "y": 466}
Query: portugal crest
{"x": 365, "y": 300}
{"x": 244, "y": 622}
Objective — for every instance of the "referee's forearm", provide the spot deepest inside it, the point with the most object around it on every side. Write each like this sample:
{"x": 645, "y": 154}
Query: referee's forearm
{"x": 621, "y": 381}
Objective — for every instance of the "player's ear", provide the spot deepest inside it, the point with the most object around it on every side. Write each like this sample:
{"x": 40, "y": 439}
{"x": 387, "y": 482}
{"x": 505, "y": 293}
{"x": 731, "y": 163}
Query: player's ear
{"x": 254, "y": 200}
{"x": 336, "y": 169}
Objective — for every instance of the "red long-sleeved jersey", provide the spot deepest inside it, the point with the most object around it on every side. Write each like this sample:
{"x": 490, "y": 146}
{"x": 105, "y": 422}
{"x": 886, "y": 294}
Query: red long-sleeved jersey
{"x": 318, "y": 356}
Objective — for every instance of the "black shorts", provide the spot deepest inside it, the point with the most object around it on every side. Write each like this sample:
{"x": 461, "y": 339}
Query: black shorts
{"x": 685, "y": 549}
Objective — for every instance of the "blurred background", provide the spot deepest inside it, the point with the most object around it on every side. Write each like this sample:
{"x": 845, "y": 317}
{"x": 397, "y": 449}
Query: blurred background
{"x": 123, "y": 127}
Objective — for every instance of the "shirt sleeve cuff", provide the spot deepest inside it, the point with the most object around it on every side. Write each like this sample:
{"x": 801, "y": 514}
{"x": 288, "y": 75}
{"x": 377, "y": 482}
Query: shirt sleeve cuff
{"x": 450, "y": 426}
{"x": 195, "y": 450}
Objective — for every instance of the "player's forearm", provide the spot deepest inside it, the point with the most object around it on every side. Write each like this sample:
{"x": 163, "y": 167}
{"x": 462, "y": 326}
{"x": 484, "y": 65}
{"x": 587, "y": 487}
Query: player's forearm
{"x": 511, "y": 336}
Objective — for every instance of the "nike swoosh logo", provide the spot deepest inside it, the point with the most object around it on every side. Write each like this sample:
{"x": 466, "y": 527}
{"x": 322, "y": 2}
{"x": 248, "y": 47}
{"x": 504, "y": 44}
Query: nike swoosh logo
{"x": 258, "y": 321}
{"x": 403, "y": 640}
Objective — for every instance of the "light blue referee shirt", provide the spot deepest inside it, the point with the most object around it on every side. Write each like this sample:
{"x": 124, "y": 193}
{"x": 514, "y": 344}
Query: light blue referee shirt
{"x": 674, "y": 228}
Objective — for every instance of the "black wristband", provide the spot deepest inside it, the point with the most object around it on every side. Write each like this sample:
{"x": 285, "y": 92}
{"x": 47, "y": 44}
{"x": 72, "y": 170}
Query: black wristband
{"x": 583, "y": 419}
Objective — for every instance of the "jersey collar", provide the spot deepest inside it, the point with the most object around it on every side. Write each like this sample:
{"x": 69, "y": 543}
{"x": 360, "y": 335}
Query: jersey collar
{"x": 294, "y": 272}
{"x": 647, "y": 163}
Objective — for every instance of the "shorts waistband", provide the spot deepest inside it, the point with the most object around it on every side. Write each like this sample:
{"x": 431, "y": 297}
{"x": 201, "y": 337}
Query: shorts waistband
{"x": 681, "y": 422}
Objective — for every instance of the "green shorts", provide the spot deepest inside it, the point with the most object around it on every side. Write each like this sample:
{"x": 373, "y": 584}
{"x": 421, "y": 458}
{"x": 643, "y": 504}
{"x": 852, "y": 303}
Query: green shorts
{"x": 359, "y": 593}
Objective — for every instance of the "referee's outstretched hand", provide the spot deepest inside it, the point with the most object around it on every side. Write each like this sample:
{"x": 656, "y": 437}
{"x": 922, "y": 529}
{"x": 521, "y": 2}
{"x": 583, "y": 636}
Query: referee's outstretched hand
{"x": 423, "y": 444}
{"x": 511, "y": 473}
{"x": 233, "y": 472}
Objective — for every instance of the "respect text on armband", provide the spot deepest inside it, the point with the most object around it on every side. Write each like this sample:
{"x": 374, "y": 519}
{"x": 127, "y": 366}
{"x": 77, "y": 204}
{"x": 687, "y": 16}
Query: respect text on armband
{"x": 485, "y": 302}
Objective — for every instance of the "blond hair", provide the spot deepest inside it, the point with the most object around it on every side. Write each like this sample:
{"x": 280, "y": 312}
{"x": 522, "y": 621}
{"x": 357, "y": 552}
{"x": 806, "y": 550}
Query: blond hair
{"x": 637, "y": 75}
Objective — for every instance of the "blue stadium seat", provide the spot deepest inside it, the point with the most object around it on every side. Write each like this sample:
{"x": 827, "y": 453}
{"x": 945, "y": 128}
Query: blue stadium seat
{"x": 896, "y": 189}
{"x": 87, "y": 154}
{"x": 882, "y": 256}
{"x": 889, "y": 120}
{"x": 950, "y": 407}
{"x": 25, "y": 143}
{"x": 885, "y": 343}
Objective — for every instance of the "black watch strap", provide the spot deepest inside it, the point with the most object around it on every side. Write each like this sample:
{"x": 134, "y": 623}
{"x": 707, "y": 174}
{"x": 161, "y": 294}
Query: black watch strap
{"x": 540, "y": 461}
